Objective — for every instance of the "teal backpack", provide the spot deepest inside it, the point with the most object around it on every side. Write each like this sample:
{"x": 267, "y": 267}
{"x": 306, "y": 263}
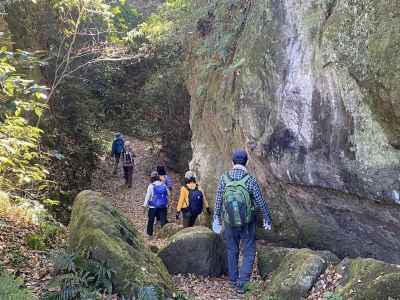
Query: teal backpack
{"x": 238, "y": 205}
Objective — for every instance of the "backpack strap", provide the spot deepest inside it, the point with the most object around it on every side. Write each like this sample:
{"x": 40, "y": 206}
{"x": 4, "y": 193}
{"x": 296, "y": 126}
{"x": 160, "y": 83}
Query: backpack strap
{"x": 226, "y": 178}
{"x": 245, "y": 179}
{"x": 188, "y": 196}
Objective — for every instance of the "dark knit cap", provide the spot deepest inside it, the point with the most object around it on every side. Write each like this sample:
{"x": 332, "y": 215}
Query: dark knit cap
{"x": 239, "y": 156}
{"x": 161, "y": 170}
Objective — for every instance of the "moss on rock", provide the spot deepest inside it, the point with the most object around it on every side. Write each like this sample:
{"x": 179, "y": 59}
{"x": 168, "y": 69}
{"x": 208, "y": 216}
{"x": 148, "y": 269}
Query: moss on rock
{"x": 368, "y": 279}
{"x": 169, "y": 230}
{"x": 293, "y": 271}
{"x": 100, "y": 231}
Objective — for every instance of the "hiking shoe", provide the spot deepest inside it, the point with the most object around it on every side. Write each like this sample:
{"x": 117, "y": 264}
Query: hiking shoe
{"x": 232, "y": 284}
{"x": 240, "y": 289}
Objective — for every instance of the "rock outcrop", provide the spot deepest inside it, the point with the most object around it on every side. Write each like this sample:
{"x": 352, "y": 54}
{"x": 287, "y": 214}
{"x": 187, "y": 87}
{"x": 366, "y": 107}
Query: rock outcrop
{"x": 195, "y": 250}
{"x": 102, "y": 232}
{"x": 293, "y": 272}
{"x": 368, "y": 279}
{"x": 310, "y": 89}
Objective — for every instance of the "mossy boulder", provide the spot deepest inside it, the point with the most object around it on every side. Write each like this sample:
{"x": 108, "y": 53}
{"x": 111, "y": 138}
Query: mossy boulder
{"x": 169, "y": 230}
{"x": 195, "y": 250}
{"x": 293, "y": 271}
{"x": 100, "y": 231}
{"x": 368, "y": 279}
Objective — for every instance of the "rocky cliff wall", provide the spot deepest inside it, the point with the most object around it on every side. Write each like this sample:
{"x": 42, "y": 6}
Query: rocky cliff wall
{"x": 310, "y": 89}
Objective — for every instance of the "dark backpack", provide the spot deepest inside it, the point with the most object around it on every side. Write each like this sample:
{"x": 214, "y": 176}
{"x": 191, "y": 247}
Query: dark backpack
{"x": 160, "y": 196}
{"x": 238, "y": 205}
{"x": 195, "y": 200}
{"x": 128, "y": 159}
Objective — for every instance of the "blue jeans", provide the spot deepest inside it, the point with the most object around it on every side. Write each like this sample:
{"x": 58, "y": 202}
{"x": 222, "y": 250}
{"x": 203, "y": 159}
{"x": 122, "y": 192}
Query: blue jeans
{"x": 233, "y": 236}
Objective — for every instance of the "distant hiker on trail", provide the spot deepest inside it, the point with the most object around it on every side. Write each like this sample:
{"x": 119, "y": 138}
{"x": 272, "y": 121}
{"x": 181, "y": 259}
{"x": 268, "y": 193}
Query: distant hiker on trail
{"x": 128, "y": 163}
{"x": 117, "y": 149}
{"x": 164, "y": 177}
{"x": 237, "y": 195}
{"x": 157, "y": 201}
{"x": 191, "y": 201}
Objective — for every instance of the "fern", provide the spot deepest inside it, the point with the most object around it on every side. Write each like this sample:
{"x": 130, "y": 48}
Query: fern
{"x": 64, "y": 262}
{"x": 181, "y": 296}
{"x": 148, "y": 293}
{"x": 102, "y": 275}
{"x": 332, "y": 296}
{"x": 80, "y": 277}
{"x": 10, "y": 288}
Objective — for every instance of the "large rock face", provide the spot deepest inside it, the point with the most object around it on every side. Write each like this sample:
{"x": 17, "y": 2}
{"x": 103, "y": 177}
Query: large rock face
{"x": 310, "y": 89}
{"x": 98, "y": 229}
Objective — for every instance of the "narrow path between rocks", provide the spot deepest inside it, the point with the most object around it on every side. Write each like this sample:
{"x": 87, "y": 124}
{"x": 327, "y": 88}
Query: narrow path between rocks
{"x": 130, "y": 201}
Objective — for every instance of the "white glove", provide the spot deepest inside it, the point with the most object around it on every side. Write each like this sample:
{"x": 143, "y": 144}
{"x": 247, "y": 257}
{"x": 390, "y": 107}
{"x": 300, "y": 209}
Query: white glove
{"x": 267, "y": 226}
{"x": 216, "y": 226}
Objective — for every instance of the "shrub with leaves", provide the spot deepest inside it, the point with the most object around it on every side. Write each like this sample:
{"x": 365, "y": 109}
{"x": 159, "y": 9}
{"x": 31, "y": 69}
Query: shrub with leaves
{"x": 22, "y": 171}
{"x": 11, "y": 288}
{"x": 45, "y": 237}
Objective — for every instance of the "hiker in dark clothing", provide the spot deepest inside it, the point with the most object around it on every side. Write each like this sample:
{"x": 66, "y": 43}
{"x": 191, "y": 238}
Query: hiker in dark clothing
{"x": 128, "y": 163}
{"x": 191, "y": 201}
{"x": 164, "y": 177}
{"x": 117, "y": 149}
{"x": 157, "y": 202}
{"x": 237, "y": 195}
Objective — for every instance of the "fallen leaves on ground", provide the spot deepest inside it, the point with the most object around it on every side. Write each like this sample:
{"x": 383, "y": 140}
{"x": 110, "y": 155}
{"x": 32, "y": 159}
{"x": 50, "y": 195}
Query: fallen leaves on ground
{"x": 34, "y": 267}
{"x": 327, "y": 282}
{"x": 205, "y": 288}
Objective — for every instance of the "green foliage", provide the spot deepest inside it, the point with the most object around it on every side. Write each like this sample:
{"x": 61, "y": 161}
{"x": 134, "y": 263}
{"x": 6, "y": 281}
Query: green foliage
{"x": 49, "y": 231}
{"x": 16, "y": 257}
{"x": 72, "y": 286}
{"x": 45, "y": 237}
{"x": 161, "y": 26}
{"x": 11, "y": 288}
{"x": 35, "y": 242}
{"x": 79, "y": 277}
{"x": 148, "y": 293}
{"x": 181, "y": 296}
{"x": 21, "y": 100}
{"x": 64, "y": 262}
{"x": 332, "y": 296}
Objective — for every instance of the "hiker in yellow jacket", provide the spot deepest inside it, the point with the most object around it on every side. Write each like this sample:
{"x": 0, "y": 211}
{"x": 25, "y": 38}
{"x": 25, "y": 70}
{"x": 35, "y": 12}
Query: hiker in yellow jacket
{"x": 191, "y": 201}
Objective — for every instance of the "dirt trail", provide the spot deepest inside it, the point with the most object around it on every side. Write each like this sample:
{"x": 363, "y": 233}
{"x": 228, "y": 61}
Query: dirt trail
{"x": 130, "y": 202}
